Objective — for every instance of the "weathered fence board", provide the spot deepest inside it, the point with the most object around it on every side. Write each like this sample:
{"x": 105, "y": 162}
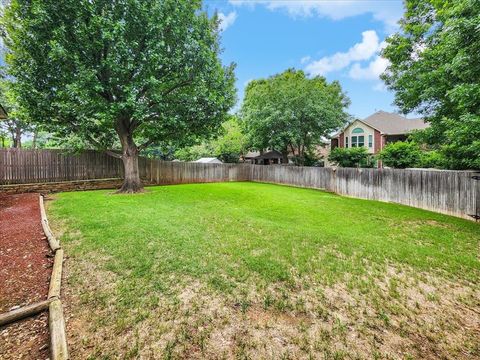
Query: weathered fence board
{"x": 449, "y": 192}
{"x": 36, "y": 166}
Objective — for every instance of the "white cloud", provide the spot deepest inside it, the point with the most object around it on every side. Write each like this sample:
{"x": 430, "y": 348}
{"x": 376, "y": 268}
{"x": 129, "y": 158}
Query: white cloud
{"x": 387, "y": 12}
{"x": 361, "y": 51}
{"x": 305, "y": 59}
{"x": 380, "y": 86}
{"x": 226, "y": 20}
{"x": 371, "y": 72}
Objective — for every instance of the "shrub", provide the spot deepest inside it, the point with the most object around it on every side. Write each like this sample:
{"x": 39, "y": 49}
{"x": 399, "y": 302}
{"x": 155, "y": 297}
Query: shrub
{"x": 432, "y": 159}
{"x": 400, "y": 155}
{"x": 350, "y": 157}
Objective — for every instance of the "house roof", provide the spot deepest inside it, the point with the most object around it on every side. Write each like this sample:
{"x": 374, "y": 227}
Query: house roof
{"x": 251, "y": 154}
{"x": 390, "y": 123}
{"x": 394, "y": 124}
{"x": 273, "y": 154}
{"x": 209, "y": 160}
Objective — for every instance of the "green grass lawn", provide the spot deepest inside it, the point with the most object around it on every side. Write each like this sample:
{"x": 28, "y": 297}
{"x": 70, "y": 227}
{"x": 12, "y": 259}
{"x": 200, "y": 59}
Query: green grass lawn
{"x": 249, "y": 270}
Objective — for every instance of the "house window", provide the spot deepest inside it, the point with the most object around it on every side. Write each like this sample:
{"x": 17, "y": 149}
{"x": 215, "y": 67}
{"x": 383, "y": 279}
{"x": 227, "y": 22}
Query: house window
{"x": 361, "y": 141}
{"x": 358, "y": 141}
{"x": 357, "y": 131}
{"x": 346, "y": 141}
{"x": 370, "y": 141}
{"x": 354, "y": 141}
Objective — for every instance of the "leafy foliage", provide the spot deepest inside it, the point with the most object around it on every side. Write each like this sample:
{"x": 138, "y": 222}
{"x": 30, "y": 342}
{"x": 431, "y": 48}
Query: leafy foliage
{"x": 434, "y": 70}
{"x": 432, "y": 159}
{"x": 400, "y": 155}
{"x": 291, "y": 112}
{"x": 350, "y": 157}
{"x": 228, "y": 146}
{"x": 124, "y": 72}
{"x": 15, "y": 126}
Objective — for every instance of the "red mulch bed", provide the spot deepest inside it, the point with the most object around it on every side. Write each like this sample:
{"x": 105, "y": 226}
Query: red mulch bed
{"x": 25, "y": 269}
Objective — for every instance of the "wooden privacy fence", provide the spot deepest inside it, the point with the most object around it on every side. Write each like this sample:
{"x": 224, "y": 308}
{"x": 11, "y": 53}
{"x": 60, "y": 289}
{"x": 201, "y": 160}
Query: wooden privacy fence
{"x": 18, "y": 166}
{"x": 37, "y": 166}
{"x": 450, "y": 192}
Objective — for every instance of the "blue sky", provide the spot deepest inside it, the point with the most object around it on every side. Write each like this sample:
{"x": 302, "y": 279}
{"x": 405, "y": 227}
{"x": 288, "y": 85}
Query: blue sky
{"x": 337, "y": 39}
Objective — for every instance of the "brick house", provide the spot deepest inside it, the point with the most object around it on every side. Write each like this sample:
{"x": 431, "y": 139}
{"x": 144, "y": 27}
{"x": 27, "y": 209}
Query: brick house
{"x": 375, "y": 131}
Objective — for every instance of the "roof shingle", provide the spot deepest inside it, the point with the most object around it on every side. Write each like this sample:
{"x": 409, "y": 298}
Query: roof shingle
{"x": 394, "y": 124}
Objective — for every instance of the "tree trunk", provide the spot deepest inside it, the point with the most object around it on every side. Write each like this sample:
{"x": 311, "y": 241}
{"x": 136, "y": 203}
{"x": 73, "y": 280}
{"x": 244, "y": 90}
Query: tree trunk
{"x": 131, "y": 183}
{"x": 34, "y": 142}
{"x": 17, "y": 137}
{"x": 285, "y": 156}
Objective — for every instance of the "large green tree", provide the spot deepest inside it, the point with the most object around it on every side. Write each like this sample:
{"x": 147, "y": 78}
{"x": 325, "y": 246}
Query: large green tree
{"x": 119, "y": 73}
{"x": 291, "y": 112}
{"x": 15, "y": 125}
{"x": 435, "y": 70}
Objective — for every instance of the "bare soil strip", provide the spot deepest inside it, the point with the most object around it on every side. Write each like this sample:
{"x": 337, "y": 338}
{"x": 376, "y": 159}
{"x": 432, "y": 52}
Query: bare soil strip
{"x": 25, "y": 270}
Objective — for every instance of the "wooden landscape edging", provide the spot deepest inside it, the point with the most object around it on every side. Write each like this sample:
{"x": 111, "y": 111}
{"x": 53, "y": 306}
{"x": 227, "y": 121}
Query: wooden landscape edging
{"x": 58, "y": 336}
{"x": 56, "y": 320}
{"x": 24, "y": 312}
{"x": 56, "y": 278}
{"x": 52, "y": 241}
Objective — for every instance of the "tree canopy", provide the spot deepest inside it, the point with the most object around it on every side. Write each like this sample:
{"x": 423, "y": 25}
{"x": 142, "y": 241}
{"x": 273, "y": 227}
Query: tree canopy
{"x": 15, "y": 126}
{"x": 228, "y": 146}
{"x": 435, "y": 70}
{"x": 127, "y": 73}
{"x": 292, "y": 112}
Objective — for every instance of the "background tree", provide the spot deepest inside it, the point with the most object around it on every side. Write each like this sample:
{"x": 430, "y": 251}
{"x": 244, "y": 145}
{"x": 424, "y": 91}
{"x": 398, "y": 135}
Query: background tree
{"x": 400, "y": 155}
{"x": 232, "y": 143}
{"x": 291, "y": 112}
{"x": 195, "y": 152}
{"x": 434, "y": 70}
{"x": 128, "y": 73}
{"x": 229, "y": 145}
{"x": 350, "y": 157}
{"x": 15, "y": 125}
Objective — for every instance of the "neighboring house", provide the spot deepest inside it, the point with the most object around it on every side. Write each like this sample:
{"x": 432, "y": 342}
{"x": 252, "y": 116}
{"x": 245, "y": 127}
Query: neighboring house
{"x": 375, "y": 131}
{"x": 322, "y": 150}
{"x": 209, "y": 160}
{"x": 264, "y": 158}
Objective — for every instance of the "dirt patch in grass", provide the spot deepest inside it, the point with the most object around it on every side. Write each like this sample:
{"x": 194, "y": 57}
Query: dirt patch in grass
{"x": 25, "y": 268}
{"x": 391, "y": 315}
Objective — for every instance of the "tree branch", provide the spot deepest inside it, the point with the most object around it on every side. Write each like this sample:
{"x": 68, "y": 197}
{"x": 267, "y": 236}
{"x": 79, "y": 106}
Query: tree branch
{"x": 99, "y": 145}
{"x": 145, "y": 144}
{"x": 114, "y": 154}
{"x": 173, "y": 88}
